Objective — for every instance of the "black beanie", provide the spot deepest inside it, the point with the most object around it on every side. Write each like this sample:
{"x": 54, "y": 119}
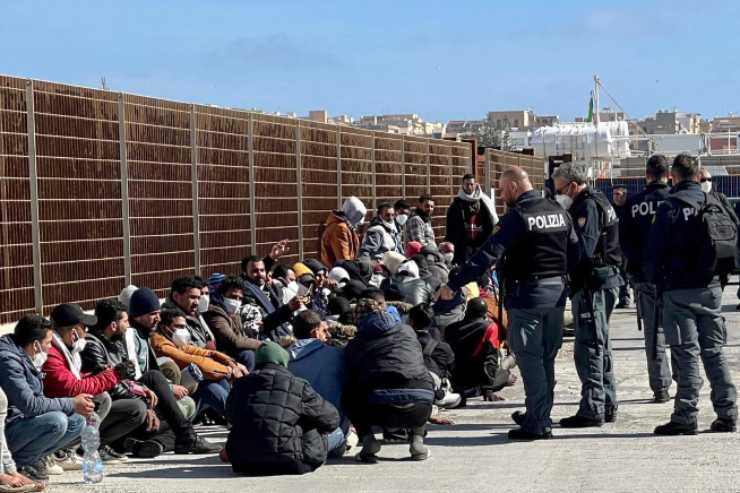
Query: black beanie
{"x": 143, "y": 301}
{"x": 477, "y": 308}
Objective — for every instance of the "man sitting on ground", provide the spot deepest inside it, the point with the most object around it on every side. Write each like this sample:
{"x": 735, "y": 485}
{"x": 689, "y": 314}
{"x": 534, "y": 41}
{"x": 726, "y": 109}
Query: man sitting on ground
{"x": 280, "y": 424}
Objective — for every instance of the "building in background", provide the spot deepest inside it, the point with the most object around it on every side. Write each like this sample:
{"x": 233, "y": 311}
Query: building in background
{"x": 507, "y": 120}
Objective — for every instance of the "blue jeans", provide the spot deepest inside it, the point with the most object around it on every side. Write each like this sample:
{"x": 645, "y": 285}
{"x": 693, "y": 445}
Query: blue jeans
{"x": 31, "y": 439}
{"x": 246, "y": 357}
{"x": 336, "y": 443}
{"x": 212, "y": 395}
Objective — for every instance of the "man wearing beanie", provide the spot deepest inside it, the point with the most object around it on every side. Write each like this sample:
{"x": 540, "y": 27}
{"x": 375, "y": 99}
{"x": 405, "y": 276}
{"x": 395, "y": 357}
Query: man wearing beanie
{"x": 280, "y": 425}
{"x": 144, "y": 315}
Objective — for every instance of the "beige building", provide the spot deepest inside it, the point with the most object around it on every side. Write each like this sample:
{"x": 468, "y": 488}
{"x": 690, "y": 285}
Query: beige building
{"x": 506, "y": 120}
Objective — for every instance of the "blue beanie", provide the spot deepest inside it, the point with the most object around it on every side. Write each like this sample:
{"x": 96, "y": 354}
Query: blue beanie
{"x": 215, "y": 280}
{"x": 143, "y": 301}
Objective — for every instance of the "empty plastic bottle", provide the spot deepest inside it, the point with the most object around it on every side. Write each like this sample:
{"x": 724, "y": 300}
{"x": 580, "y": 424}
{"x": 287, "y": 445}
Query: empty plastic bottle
{"x": 92, "y": 465}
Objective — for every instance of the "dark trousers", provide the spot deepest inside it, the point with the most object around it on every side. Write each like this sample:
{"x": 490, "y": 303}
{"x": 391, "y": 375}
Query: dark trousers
{"x": 412, "y": 416}
{"x": 125, "y": 416}
{"x": 167, "y": 407}
{"x": 246, "y": 357}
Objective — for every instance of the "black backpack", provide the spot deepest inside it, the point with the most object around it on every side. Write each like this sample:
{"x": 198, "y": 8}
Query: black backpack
{"x": 717, "y": 238}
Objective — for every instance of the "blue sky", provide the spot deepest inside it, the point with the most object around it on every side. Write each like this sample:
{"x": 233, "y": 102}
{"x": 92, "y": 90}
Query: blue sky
{"x": 443, "y": 60}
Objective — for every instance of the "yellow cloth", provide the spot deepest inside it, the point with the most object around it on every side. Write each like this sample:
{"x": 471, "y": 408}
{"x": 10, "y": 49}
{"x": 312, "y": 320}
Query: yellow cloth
{"x": 472, "y": 291}
{"x": 301, "y": 269}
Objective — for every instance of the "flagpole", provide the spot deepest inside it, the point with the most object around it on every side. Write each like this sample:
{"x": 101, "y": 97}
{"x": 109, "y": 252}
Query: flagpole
{"x": 597, "y": 120}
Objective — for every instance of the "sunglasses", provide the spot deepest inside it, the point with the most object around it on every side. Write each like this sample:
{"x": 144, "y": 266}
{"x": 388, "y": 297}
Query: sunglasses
{"x": 703, "y": 180}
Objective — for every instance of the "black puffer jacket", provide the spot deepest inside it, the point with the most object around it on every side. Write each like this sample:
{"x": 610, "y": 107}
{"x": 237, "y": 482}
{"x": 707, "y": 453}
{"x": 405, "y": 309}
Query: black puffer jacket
{"x": 385, "y": 355}
{"x": 277, "y": 424}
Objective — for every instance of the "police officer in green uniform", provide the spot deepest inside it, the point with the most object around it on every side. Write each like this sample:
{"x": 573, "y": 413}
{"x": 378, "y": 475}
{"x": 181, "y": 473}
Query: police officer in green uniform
{"x": 692, "y": 302}
{"x": 595, "y": 282}
{"x": 531, "y": 245}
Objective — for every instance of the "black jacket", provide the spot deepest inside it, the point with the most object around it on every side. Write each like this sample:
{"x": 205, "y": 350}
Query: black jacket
{"x": 471, "y": 369}
{"x": 385, "y": 355}
{"x": 458, "y": 218}
{"x": 101, "y": 353}
{"x": 635, "y": 224}
{"x": 277, "y": 424}
{"x": 438, "y": 355}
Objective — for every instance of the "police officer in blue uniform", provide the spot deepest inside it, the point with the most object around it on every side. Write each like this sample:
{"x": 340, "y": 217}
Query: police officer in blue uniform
{"x": 692, "y": 303}
{"x": 531, "y": 245}
{"x": 595, "y": 282}
{"x": 634, "y": 232}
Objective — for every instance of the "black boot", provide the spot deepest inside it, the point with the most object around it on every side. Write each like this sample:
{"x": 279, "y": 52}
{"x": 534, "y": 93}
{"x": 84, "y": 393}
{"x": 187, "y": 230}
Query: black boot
{"x": 723, "y": 425}
{"x": 523, "y": 435}
{"x": 580, "y": 422}
{"x": 672, "y": 428}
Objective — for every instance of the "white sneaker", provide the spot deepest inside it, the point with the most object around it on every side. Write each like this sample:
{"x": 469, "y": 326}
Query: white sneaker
{"x": 450, "y": 400}
{"x": 52, "y": 468}
{"x": 68, "y": 460}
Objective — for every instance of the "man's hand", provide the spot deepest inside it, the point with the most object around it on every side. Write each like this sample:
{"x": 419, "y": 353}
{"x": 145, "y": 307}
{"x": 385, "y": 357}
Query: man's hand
{"x": 125, "y": 370}
{"x": 179, "y": 391}
{"x": 152, "y": 421}
{"x": 84, "y": 405}
{"x": 445, "y": 293}
{"x": 279, "y": 249}
{"x": 491, "y": 396}
{"x": 151, "y": 398}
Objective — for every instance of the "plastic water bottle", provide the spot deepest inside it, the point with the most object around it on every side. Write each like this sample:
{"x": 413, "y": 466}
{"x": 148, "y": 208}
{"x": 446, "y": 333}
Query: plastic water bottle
{"x": 92, "y": 465}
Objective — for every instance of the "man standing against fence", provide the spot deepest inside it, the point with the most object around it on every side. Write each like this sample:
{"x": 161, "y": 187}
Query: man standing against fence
{"x": 470, "y": 219}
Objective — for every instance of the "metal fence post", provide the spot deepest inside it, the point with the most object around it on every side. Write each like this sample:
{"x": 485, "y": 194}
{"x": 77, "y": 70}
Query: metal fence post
{"x": 194, "y": 172}
{"x": 403, "y": 166}
{"x": 123, "y": 155}
{"x": 487, "y": 171}
{"x": 38, "y": 298}
{"x": 429, "y": 168}
{"x": 252, "y": 187}
{"x": 375, "y": 189}
{"x": 339, "y": 167}
{"x": 299, "y": 187}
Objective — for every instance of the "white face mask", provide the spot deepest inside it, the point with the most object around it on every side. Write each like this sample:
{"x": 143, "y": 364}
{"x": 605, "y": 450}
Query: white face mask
{"x": 231, "y": 305}
{"x": 706, "y": 186}
{"x": 181, "y": 337}
{"x": 290, "y": 291}
{"x": 401, "y": 219}
{"x": 564, "y": 201}
{"x": 79, "y": 345}
{"x": 39, "y": 359}
{"x": 449, "y": 257}
{"x": 390, "y": 225}
{"x": 203, "y": 303}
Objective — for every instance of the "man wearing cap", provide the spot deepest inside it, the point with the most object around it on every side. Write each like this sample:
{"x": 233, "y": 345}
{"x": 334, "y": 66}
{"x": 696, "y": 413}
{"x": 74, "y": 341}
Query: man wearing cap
{"x": 63, "y": 377}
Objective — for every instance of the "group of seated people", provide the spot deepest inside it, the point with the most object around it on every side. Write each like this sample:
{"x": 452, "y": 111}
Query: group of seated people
{"x": 299, "y": 361}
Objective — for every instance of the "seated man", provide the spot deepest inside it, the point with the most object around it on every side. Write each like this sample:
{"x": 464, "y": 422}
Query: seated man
{"x": 172, "y": 339}
{"x": 475, "y": 341}
{"x": 184, "y": 298}
{"x": 64, "y": 378}
{"x": 223, "y": 319}
{"x": 316, "y": 362}
{"x": 36, "y": 425}
{"x": 144, "y": 313}
{"x": 280, "y": 425}
{"x": 387, "y": 382}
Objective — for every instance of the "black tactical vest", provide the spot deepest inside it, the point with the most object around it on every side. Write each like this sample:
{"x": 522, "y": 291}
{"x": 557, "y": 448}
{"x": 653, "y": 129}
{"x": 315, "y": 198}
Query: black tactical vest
{"x": 607, "y": 251}
{"x": 542, "y": 251}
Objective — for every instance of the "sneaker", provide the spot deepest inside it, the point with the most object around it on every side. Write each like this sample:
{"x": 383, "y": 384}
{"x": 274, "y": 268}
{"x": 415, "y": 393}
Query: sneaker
{"x": 580, "y": 422}
{"x": 37, "y": 471}
{"x": 52, "y": 468}
{"x": 449, "y": 401}
{"x": 196, "y": 445}
{"x": 370, "y": 449}
{"x": 661, "y": 397}
{"x": 418, "y": 450}
{"x": 68, "y": 460}
{"x": 143, "y": 449}
{"x": 110, "y": 456}
{"x": 672, "y": 428}
{"x": 723, "y": 425}
{"x": 519, "y": 434}
{"x": 352, "y": 440}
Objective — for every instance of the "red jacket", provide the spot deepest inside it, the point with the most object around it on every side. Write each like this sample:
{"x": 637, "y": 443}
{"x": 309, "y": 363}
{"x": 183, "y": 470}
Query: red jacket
{"x": 59, "y": 381}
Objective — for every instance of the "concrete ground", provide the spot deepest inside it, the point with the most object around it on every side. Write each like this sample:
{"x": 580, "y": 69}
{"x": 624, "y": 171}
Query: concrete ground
{"x": 474, "y": 454}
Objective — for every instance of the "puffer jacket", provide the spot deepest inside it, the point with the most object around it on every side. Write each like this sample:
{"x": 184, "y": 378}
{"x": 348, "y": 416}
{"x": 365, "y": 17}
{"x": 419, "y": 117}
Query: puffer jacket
{"x": 230, "y": 338}
{"x": 277, "y": 424}
{"x": 385, "y": 354}
{"x": 379, "y": 239}
{"x": 338, "y": 240}
{"x": 415, "y": 291}
{"x": 22, "y": 383}
{"x": 59, "y": 381}
{"x": 212, "y": 363}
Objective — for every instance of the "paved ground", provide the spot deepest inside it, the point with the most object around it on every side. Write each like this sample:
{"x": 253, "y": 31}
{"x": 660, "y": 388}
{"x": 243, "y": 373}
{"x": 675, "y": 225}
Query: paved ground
{"x": 474, "y": 454}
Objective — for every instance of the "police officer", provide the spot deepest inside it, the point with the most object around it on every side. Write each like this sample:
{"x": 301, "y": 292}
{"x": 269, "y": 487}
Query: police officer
{"x": 692, "y": 304}
{"x": 595, "y": 282}
{"x": 533, "y": 240}
{"x": 634, "y": 232}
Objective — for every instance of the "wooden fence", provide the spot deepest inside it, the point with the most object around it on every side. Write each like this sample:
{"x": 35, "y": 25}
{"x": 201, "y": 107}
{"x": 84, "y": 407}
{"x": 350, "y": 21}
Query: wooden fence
{"x": 101, "y": 189}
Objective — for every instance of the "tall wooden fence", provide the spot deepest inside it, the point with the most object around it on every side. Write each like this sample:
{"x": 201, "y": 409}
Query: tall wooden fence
{"x": 101, "y": 189}
{"x": 495, "y": 162}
